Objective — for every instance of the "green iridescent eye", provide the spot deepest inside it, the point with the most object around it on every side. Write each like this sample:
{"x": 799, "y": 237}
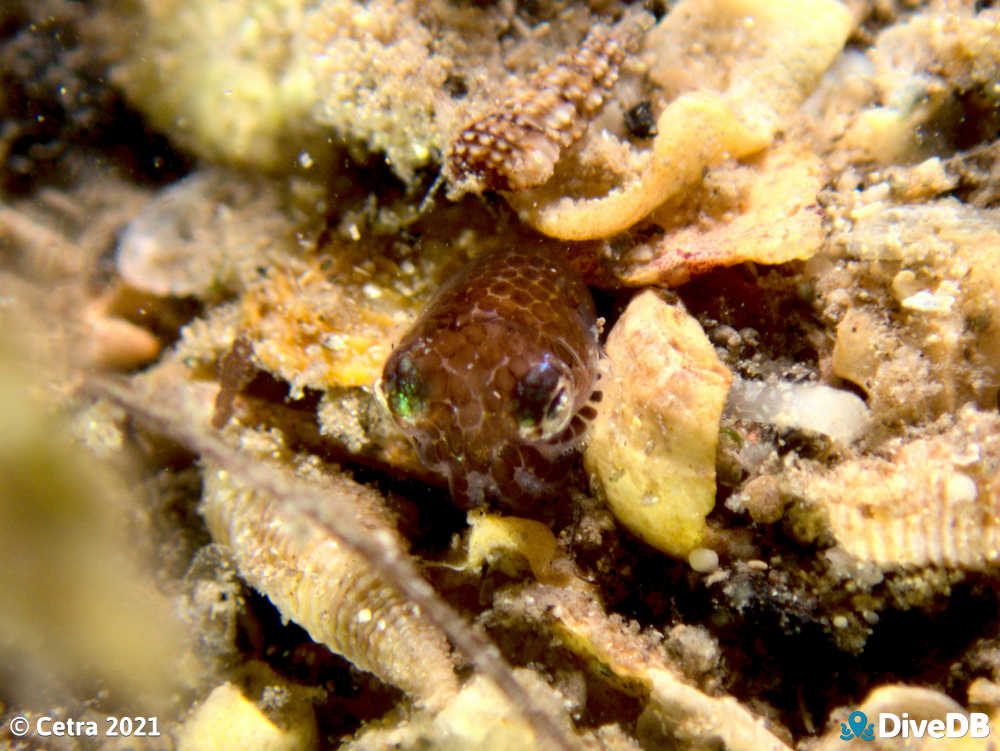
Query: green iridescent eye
{"x": 404, "y": 389}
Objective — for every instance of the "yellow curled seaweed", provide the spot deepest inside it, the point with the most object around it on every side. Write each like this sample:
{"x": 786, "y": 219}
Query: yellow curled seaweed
{"x": 695, "y": 131}
{"x": 782, "y": 48}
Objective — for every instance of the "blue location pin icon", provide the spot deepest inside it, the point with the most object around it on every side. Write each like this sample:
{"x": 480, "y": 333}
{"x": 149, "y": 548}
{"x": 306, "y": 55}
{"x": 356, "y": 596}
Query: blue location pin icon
{"x": 857, "y": 720}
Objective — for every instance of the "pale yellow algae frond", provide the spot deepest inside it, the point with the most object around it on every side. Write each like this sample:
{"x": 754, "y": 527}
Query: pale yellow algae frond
{"x": 279, "y": 85}
{"x": 494, "y": 538}
{"x": 653, "y": 445}
{"x": 923, "y": 68}
{"x": 783, "y": 48}
{"x": 222, "y": 79}
{"x": 697, "y": 130}
{"x": 227, "y": 719}
{"x": 775, "y": 219}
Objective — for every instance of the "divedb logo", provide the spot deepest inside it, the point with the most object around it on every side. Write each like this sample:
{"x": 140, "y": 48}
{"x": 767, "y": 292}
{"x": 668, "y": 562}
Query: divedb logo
{"x": 889, "y": 725}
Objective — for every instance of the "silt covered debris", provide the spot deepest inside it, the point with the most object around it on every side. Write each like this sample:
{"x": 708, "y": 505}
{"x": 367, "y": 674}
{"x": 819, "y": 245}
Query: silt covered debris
{"x": 788, "y": 214}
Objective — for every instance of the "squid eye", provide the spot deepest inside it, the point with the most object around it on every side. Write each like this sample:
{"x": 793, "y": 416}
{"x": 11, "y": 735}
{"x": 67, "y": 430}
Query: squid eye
{"x": 542, "y": 402}
{"x": 404, "y": 388}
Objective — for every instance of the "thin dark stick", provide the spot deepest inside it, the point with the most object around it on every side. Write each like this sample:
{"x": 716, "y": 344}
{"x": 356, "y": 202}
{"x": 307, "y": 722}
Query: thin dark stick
{"x": 395, "y": 567}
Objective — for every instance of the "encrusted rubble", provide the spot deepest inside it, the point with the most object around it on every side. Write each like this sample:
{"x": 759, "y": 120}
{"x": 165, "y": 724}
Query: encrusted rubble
{"x": 818, "y": 182}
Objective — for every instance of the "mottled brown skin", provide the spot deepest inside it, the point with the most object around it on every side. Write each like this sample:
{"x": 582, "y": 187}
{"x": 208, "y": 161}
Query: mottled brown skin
{"x": 492, "y": 383}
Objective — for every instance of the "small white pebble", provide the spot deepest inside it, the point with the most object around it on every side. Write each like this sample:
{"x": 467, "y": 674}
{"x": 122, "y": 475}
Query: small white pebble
{"x": 334, "y": 342}
{"x": 840, "y": 621}
{"x": 703, "y": 560}
{"x": 984, "y": 691}
{"x": 364, "y": 615}
{"x": 716, "y": 576}
{"x": 961, "y": 489}
{"x": 929, "y": 302}
{"x": 811, "y": 406}
{"x": 306, "y": 160}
